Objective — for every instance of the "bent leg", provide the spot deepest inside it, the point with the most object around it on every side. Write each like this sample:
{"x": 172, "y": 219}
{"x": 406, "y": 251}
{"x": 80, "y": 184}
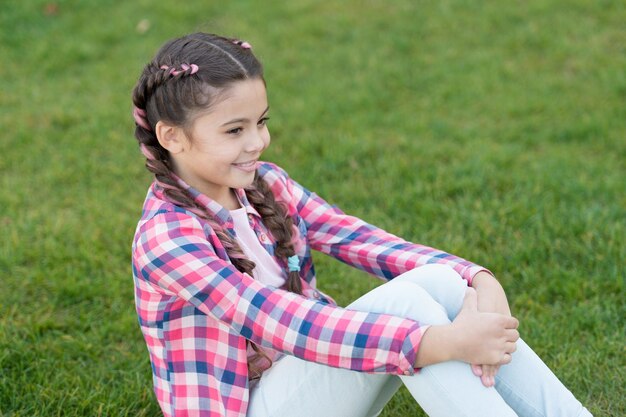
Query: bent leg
{"x": 293, "y": 387}
{"x": 526, "y": 384}
{"x": 533, "y": 390}
{"x": 444, "y": 389}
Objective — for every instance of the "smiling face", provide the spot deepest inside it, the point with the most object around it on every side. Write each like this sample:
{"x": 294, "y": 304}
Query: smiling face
{"x": 221, "y": 149}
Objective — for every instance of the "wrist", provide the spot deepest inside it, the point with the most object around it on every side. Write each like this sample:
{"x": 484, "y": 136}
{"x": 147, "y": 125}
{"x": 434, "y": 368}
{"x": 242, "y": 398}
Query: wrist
{"x": 437, "y": 345}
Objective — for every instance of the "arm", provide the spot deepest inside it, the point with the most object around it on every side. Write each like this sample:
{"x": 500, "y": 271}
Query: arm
{"x": 366, "y": 247}
{"x": 491, "y": 298}
{"x": 353, "y": 241}
{"x": 173, "y": 255}
{"x": 371, "y": 249}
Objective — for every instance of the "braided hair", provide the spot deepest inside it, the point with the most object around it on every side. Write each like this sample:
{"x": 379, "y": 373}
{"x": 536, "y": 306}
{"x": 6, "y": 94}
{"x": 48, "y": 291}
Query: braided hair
{"x": 184, "y": 79}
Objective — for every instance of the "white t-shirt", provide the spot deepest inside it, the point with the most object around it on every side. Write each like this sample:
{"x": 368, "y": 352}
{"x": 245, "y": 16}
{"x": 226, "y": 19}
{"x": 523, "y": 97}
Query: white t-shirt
{"x": 267, "y": 269}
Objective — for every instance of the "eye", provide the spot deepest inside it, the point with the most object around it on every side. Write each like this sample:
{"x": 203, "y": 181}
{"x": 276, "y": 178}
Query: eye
{"x": 263, "y": 121}
{"x": 235, "y": 131}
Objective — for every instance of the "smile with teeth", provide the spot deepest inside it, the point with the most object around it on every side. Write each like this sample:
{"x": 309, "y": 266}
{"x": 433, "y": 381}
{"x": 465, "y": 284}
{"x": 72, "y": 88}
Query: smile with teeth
{"x": 247, "y": 166}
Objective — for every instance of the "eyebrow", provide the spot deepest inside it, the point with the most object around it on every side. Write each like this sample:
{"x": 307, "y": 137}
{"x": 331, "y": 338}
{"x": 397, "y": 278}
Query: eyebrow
{"x": 240, "y": 120}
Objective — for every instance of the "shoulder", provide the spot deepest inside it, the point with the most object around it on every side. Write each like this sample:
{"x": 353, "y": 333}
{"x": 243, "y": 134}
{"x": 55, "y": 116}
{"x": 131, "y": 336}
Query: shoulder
{"x": 271, "y": 172}
{"x": 160, "y": 217}
{"x": 284, "y": 188}
{"x": 156, "y": 206}
{"x": 166, "y": 225}
{"x": 277, "y": 179}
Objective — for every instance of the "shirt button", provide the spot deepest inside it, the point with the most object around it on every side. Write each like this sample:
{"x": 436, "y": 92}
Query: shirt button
{"x": 263, "y": 237}
{"x": 407, "y": 373}
{"x": 317, "y": 294}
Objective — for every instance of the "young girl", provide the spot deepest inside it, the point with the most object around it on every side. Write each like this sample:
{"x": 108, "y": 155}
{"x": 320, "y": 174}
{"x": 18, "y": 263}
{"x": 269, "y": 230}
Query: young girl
{"x": 225, "y": 285}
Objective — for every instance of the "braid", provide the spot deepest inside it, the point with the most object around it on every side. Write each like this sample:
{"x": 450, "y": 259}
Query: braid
{"x": 275, "y": 217}
{"x": 185, "y": 76}
{"x": 144, "y": 97}
{"x": 182, "y": 198}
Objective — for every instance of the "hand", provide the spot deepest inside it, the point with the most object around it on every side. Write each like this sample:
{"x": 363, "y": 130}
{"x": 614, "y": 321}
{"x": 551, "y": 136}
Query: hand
{"x": 491, "y": 298}
{"x": 473, "y": 337}
{"x": 483, "y": 338}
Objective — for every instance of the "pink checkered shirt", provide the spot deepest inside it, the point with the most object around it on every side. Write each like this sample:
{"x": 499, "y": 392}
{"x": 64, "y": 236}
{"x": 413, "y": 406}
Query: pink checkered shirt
{"x": 196, "y": 310}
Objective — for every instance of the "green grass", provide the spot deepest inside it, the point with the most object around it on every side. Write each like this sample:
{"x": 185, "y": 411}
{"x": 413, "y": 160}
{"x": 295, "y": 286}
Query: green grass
{"x": 492, "y": 130}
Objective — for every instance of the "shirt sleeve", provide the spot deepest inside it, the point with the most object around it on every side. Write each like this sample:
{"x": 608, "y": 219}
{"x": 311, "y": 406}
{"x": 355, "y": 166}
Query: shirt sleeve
{"x": 362, "y": 245}
{"x": 173, "y": 254}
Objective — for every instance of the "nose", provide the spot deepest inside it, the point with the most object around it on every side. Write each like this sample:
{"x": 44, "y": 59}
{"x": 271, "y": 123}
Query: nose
{"x": 257, "y": 141}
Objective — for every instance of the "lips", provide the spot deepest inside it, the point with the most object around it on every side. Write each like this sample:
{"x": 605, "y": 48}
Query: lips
{"x": 249, "y": 166}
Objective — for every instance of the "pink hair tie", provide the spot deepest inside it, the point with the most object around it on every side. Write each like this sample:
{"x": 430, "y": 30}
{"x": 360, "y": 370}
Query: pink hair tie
{"x": 243, "y": 44}
{"x": 146, "y": 152}
{"x": 194, "y": 68}
{"x": 140, "y": 117}
{"x": 184, "y": 67}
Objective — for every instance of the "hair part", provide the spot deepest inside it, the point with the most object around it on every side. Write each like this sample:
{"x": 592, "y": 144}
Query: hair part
{"x": 177, "y": 98}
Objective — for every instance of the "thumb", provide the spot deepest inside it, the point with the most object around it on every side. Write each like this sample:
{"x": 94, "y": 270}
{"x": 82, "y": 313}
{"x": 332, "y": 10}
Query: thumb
{"x": 470, "y": 302}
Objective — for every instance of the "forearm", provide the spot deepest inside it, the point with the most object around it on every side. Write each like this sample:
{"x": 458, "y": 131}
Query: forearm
{"x": 436, "y": 346}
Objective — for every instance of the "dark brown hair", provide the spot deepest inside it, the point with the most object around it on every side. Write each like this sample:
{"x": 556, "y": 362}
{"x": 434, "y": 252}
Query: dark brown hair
{"x": 177, "y": 98}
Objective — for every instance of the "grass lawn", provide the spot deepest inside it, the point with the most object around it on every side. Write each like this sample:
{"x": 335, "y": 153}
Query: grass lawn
{"x": 492, "y": 130}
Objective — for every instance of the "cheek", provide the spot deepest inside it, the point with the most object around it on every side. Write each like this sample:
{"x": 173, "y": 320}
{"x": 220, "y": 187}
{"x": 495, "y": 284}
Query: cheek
{"x": 266, "y": 138}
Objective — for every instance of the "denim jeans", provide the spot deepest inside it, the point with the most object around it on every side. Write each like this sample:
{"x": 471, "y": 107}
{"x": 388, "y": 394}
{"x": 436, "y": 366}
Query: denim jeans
{"x": 432, "y": 294}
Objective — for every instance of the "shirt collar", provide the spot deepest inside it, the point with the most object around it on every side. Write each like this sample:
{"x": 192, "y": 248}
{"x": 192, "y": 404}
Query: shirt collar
{"x": 219, "y": 213}
{"x": 243, "y": 199}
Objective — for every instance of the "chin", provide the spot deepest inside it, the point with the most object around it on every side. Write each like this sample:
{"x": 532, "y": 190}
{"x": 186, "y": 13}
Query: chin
{"x": 244, "y": 183}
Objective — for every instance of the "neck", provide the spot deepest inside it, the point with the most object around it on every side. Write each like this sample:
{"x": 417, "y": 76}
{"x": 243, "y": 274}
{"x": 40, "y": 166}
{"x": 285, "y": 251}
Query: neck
{"x": 231, "y": 202}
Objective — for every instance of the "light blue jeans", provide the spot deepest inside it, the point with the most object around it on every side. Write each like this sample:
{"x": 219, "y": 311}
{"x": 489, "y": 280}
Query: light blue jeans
{"x": 432, "y": 294}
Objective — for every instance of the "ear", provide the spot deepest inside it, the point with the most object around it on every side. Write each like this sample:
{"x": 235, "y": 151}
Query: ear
{"x": 170, "y": 137}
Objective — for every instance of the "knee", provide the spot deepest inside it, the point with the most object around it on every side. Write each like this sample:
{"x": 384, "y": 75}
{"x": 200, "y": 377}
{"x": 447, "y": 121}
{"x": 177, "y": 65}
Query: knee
{"x": 443, "y": 284}
{"x": 434, "y": 276}
{"x": 443, "y": 270}
{"x": 404, "y": 299}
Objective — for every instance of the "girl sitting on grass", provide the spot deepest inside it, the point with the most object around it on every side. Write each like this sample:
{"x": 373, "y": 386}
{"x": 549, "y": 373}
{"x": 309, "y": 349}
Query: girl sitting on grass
{"x": 225, "y": 285}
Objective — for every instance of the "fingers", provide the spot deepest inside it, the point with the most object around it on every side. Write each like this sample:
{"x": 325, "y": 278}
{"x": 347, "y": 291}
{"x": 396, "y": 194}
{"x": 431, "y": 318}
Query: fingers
{"x": 510, "y": 347}
{"x": 511, "y": 323}
{"x": 488, "y": 377}
{"x": 507, "y": 358}
{"x": 488, "y": 381}
{"x": 511, "y": 335}
{"x": 504, "y": 321}
{"x": 487, "y": 373}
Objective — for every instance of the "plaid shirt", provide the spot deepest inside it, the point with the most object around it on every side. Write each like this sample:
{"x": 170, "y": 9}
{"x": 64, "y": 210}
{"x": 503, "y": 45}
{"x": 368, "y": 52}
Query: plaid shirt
{"x": 196, "y": 310}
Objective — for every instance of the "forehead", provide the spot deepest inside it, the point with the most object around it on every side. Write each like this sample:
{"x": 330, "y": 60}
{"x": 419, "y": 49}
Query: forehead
{"x": 242, "y": 99}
